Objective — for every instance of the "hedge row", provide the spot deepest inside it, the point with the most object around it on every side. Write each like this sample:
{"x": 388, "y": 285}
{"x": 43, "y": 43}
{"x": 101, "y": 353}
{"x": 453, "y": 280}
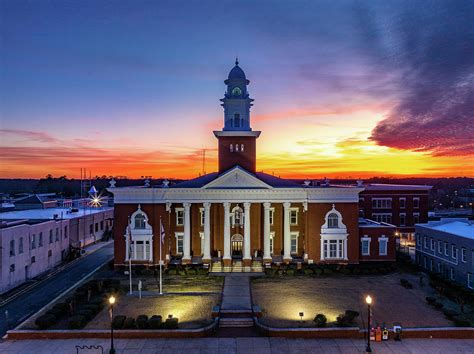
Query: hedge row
{"x": 143, "y": 322}
{"x": 321, "y": 270}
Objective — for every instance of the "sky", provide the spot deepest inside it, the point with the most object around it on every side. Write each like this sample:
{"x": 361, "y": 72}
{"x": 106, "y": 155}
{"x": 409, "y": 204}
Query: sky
{"x": 342, "y": 88}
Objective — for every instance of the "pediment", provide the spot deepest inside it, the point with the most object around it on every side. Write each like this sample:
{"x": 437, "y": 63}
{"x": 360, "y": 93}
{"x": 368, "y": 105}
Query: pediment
{"x": 237, "y": 178}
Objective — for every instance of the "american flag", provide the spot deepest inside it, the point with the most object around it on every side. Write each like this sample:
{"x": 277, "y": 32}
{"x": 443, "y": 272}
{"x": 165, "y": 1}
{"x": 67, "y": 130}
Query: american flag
{"x": 162, "y": 233}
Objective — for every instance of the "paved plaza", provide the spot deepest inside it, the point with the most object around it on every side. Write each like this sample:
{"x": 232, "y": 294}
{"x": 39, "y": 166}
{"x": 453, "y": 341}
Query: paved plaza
{"x": 260, "y": 345}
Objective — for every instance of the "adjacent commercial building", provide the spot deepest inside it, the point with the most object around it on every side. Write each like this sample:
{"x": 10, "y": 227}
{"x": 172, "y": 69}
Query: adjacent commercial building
{"x": 447, "y": 247}
{"x": 36, "y": 240}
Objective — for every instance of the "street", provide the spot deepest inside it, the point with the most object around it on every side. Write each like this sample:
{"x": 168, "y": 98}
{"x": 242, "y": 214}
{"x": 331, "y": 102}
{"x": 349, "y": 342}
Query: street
{"x": 27, "y": 304}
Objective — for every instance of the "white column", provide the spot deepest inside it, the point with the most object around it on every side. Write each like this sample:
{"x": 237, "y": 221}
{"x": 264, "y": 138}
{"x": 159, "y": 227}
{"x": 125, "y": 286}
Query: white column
{"x": 134, "y": 250}
{"x": 266, "y": 231}
{"x": 227, "y": 230}
{"x": 187, "y": 232}
{"x": 286, "y": 231}
{"x": 247, "y": 231}
{"x": 207, "y": 231}
{"x": 127, "y": 249}
{"x": 151, "y": 247}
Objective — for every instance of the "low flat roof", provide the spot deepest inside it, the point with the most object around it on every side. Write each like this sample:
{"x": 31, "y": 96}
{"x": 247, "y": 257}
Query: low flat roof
{"x": 372, "y": 223}
{"x": 388, "y": 187}
{"x": 458, "y": 228}
{"x": 49, "y": 213}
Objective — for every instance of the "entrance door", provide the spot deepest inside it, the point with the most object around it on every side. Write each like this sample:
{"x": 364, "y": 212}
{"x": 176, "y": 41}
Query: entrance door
{"x": 237, "y": 244}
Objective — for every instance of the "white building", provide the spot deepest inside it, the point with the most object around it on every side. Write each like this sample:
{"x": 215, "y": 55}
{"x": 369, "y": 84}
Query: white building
{"x": 37, "y": 240}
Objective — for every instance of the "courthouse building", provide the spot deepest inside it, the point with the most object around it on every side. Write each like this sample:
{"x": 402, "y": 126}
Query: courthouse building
{"x": 238, "y": 215}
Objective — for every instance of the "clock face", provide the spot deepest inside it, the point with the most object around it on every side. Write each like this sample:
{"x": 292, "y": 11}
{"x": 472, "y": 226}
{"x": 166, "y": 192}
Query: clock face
{"x": 236, "y": 91}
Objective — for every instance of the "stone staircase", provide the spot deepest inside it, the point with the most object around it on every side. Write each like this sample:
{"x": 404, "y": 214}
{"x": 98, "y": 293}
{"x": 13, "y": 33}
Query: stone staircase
{"x": 236, "y": 267}
{"x": 236, "y": 320}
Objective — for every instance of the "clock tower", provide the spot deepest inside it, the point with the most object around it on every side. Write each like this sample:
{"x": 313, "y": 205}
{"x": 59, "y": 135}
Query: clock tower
{"x": 237, "y": 141}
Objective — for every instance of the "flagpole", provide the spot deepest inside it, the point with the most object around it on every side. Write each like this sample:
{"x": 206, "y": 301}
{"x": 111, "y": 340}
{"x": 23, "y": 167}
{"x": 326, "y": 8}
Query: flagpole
{"x": 130, "y": 255}
{"x": 161, "y": 241}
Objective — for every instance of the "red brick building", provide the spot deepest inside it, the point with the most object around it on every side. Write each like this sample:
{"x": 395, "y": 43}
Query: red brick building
{"x": 240, "y": 216}
{"x": 400, "y": 205}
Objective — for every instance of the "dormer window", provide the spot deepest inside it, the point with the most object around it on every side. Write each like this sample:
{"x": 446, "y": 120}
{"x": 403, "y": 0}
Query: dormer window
{"x": 237, "y": 120}
{"x": 140, "y": 221}
{"x": 333, "y": 221}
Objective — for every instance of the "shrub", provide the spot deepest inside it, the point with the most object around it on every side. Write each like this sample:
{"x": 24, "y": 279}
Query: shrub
{"x": 45, "y": 321}
{"x": 307, "y": 271}
{"x": 438, "y": 305}
{"x": 461, "y": 321}
{"x": 328, "y": 271}
{"x": 94, "y": 308}
{"x": 320, "y": 320}
{"x": 155, "y": 322}
{"x": 77, "y": 322}
{"x": 351, "y": 315}
{"x": 406, "y": 284}
{"x": 129, "y": 323}
{"x": 171, "y": 323}
{"x": 142, "y": 321}
{"x": 118, "y": 321}
{"x": 346, "y": 319}
{"x": 290, "y": 272}
{"x": 318, "y": 271}
{"x": 55, "y": 312}
{"x": 431, "y": 300}
{"x": 450, "y": 313}
{"x": 87, "y": 313}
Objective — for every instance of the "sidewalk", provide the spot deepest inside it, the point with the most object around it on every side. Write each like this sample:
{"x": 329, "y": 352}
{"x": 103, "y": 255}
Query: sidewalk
{"x": 236, "y": 294}
{"x": 260, "y": 345}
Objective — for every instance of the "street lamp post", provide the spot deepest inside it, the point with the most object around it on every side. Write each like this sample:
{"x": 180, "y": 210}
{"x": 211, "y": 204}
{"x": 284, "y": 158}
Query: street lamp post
{"x": 111, "y": 303}
{"x": 368, "y": 300}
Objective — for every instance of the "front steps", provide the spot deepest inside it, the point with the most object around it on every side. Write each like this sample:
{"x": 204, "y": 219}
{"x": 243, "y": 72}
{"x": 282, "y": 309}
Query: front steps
{"x": 236, "y": 267}
{"x": 235, "y": 322}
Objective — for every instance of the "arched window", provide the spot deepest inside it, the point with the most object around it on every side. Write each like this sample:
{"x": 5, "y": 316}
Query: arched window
{"x": 333, "y": 221}
{"x": 140, "y": 221}
{"x": 236, "y": 147}
{"x": 236, "y": 120}
{"x": 231, "y": 148}
{"x": 242, "y": 147}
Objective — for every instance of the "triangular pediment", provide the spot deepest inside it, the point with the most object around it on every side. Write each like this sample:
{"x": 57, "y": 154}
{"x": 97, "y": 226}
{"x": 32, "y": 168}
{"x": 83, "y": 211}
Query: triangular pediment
{"x": 237, "y": 178}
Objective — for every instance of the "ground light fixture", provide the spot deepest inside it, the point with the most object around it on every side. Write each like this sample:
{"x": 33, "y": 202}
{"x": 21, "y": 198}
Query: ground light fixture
{"x": 111, "y": 303}
{"x": 301, "y": 314}
{"x": 368, "y": 301}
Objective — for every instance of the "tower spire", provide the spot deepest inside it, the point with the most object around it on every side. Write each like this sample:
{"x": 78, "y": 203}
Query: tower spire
{"x": 236, "y": 60}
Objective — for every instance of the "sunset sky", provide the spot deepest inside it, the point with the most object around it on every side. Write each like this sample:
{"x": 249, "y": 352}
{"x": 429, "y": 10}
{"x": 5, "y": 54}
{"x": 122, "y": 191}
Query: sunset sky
{"x": 341, "y": 88}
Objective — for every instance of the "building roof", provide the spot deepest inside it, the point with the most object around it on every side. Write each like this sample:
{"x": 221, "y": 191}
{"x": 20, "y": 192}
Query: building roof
{"x": 237, "y": 73}
{"x": 458, "y": 227}
{"x": 390, "y": 187}
{"x": 50, "y": 213}
{"x": 371, "y": 223}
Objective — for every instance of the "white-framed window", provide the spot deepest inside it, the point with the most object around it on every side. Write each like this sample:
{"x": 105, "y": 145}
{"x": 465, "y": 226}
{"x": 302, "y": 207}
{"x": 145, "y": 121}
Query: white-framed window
{"x": 65, "y": 231}
{"x": 439, "y": 268}
{"x": 425, "y": 242}
{"x": 432, "y": 244}
{"x": 272, "y": 215}
{"x": 242, "y": 147}
{"x": 40, "y": 239}
{"x": 293, "y": 216}
{"x": 201, "y": 216}
{"x": 57, "y": 235}
{"x": 231, "y": 148}
{"x": 452, "y": 274}
{"x": 403, "y": 203}
{"x": 294, "y": 242}
{"x": 33, "y": 241}
{"x": 470, "y": 281}
{"x": 446, "y": 251}
{"x": 236, "y": 147}
{"x": 179, "y": 242}
{"x": 333, "y": 249}
{"x": 463, "y": 255}
{"x": 440, "y": 248}
{"x": 20, "y": 246}
{"x": 416, "y": 203}
{"x": 365, "y": 245}
{"x": 403, "y": 218}
{"x": 416, "y": 218}
{"x": 139, "y": 221}
{"x": 383, "y": 245}
{"x": 237, "y": 216}
{"x": 179, "y": 216}
{"x": 381, "y": 203}
{"x": 51, "y": 236}
{"x": 454, "y": 251}
{"x": 272, "y": 239}
{"x": 431, "y": 265}
{"x": 382, "y": 217}
{"x": 12, "y": 248}
{"x": 333, "y": 221}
